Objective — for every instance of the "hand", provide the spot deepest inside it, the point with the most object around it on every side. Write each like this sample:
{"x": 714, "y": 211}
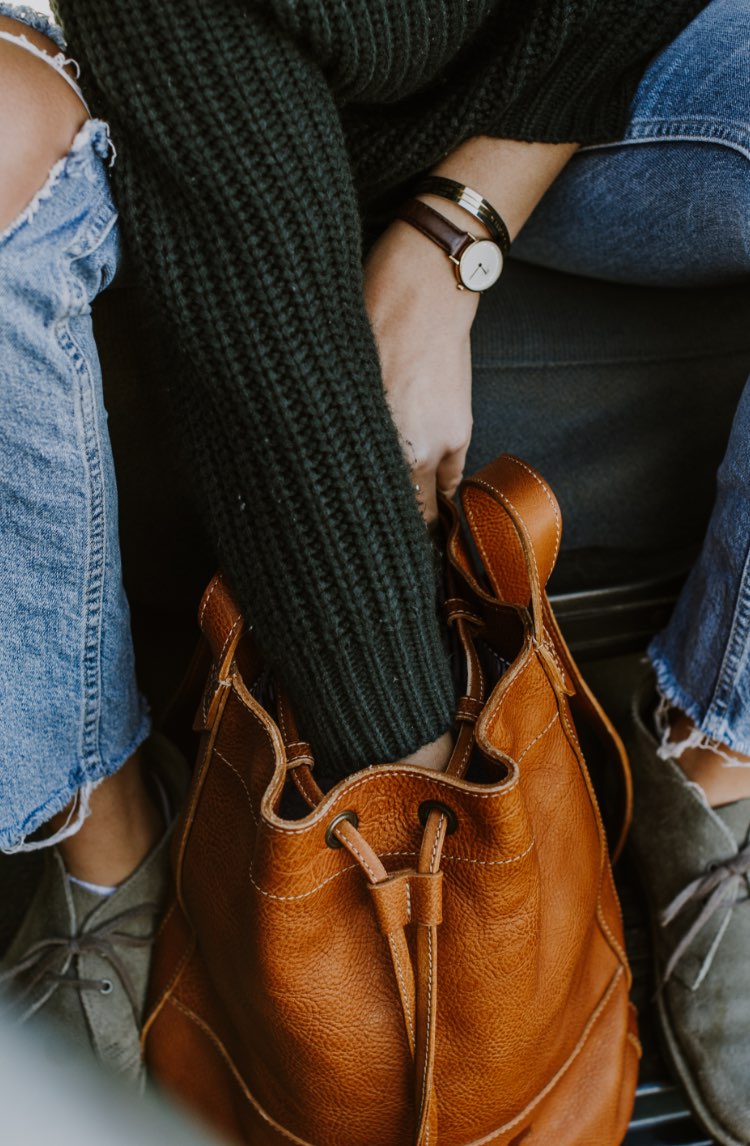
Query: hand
{"x": 422, "y": 326}
{"x": 435, "y": 755}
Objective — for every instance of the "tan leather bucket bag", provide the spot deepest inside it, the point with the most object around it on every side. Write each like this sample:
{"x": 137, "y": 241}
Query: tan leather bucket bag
{"x": 413, "y": 957}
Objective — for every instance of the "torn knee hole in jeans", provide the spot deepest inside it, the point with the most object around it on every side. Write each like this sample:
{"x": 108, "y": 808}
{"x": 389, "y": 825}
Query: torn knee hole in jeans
{"x": 93, "y": 135}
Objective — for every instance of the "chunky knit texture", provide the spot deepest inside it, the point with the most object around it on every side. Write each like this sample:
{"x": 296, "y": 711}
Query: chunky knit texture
{"x": 252, "y": 138}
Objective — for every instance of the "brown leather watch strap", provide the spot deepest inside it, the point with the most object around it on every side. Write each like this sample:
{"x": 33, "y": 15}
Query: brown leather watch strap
{"x": 435, "y": 226}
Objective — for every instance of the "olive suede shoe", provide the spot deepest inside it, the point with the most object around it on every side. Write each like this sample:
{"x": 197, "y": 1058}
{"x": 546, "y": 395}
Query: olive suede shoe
{"x": 695, "y": 861}
{"x": 81, "y": 960}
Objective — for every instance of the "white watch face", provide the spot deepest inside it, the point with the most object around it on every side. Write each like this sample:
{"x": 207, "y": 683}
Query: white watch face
{"x": 480, "y": 265}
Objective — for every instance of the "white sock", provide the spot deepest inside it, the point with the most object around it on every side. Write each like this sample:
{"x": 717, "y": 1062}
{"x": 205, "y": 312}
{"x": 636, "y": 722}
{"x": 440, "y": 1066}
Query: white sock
{"x": 95, "y": 888}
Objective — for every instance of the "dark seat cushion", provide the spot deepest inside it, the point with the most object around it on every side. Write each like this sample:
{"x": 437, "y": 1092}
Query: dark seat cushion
{"x": 622, "y": 396}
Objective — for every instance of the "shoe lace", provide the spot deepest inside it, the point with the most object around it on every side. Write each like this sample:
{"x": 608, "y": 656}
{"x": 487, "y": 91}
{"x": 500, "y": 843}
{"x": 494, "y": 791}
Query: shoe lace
{"x": 42, "y": 957}
{"x": 720, "y": 886}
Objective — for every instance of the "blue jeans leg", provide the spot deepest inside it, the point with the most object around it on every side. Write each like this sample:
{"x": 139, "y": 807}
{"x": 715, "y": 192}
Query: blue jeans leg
{"x": 702, "y": 659}
{"x": 669, "y": 205}
{"x": 71, "y": 711}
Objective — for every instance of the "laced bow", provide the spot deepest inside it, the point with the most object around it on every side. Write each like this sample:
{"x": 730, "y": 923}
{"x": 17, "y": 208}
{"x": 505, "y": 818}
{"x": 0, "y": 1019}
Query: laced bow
{"x": 42, "y": 957}
{"x": 720, "y": 886}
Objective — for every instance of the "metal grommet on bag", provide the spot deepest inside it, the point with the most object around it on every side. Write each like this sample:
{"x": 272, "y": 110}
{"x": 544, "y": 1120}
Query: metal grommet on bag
{"x": 331, "y": 839}
{"x": 435, "y": 806}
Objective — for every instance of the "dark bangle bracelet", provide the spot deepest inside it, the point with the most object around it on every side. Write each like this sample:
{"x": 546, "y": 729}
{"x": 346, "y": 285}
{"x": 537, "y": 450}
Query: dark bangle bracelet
{"x": 471, "y": 201}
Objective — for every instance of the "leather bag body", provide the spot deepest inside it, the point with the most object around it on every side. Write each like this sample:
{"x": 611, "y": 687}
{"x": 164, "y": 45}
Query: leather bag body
{"x": 418, "y": 957}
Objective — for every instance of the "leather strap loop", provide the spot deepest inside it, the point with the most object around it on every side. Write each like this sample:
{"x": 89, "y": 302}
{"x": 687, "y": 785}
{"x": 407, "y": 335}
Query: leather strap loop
{"x": 392, "y": 901}
{"x": 426, "y": 893}
{"x": 515, "y": 520}
{"x": 299, "y": 755}
{"x": 223, "y": 627}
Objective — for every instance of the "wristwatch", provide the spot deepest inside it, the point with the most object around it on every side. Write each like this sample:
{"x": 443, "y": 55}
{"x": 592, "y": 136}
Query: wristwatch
{"x": 477, "y": 262}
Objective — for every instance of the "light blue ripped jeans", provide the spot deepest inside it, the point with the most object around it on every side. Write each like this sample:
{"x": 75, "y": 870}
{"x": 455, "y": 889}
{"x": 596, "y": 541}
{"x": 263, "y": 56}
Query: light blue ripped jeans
{"x": 669, "y": 204}
{"x": 70, "y": 711}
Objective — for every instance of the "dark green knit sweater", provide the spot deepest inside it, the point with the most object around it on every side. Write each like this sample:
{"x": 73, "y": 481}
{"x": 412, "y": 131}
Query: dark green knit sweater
{"x": 251, "y": 137}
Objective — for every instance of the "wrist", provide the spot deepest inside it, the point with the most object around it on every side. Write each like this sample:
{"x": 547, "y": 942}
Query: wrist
{"x": 477, "y": 261}
{"x": 405, "y": 263}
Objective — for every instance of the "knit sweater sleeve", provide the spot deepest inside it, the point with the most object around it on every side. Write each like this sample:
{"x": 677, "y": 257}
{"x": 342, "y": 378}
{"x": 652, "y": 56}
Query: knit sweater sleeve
{"x": 240, "y": 213}
{"x": 552, "y": 71}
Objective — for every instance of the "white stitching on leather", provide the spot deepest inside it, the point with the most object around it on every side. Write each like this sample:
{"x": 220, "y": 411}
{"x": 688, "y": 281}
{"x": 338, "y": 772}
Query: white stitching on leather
{"x": 519, "y": 523}
{"x": 491, "y": 863}
{"x": 548, "y": 494}
{"x": 467, "y": 753}
{"x": 282, "y": 726}
{"x": 571, "y": 730}
{"x": 209, "y": 696}
{"x": 242, "y": 782}
{"x": 404, "y": 996}
{"x": 353, "y": 848}
{"x": 249, "y": 1096}
{"x": 509, "y": 680}
{"x": 386, "y": 855}
{"x": 375, "y": 775}
{"x": 167, "y": 993}
{"x": 428, "y": 1026}
{"x": 437, "y": 840}
{"x": 228, "y": 641}
{"x": 592, "y": 1020}
{"x": 608, "y": 933}
{"x": 212, "y": 590}
{"x": 537, "y": 738}
{"x": 302, "y": 894}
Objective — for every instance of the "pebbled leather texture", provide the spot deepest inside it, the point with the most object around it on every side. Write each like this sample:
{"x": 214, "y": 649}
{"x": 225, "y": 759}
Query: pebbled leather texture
{"x": 451, "y": 972}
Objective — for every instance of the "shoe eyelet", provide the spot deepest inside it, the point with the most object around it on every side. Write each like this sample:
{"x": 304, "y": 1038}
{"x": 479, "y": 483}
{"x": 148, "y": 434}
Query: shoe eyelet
{"x": 106, "y": 986}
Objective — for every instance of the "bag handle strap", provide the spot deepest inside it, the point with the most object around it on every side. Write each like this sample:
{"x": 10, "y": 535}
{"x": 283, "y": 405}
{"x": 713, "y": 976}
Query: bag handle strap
{"x": 516, "y": 523}
{"x": 223, "y": 627}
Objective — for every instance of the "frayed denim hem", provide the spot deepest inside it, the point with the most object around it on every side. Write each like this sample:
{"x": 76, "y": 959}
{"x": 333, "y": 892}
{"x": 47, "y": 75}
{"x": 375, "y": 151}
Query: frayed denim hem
{"x": 36, "y": 20}
{"x": 15, "y": 838}
{"x": 671, "y": 692}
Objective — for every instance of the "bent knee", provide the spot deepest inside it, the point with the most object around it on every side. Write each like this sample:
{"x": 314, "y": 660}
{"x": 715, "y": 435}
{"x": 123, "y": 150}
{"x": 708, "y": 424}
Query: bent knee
{"x": 40, "y": 115}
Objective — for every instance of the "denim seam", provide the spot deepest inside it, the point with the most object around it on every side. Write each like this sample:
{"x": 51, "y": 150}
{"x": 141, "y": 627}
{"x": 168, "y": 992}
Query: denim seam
{"x": 697, "y": 129}
{"x": 90, "y": 435}
{"x": 734, "y": 663}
